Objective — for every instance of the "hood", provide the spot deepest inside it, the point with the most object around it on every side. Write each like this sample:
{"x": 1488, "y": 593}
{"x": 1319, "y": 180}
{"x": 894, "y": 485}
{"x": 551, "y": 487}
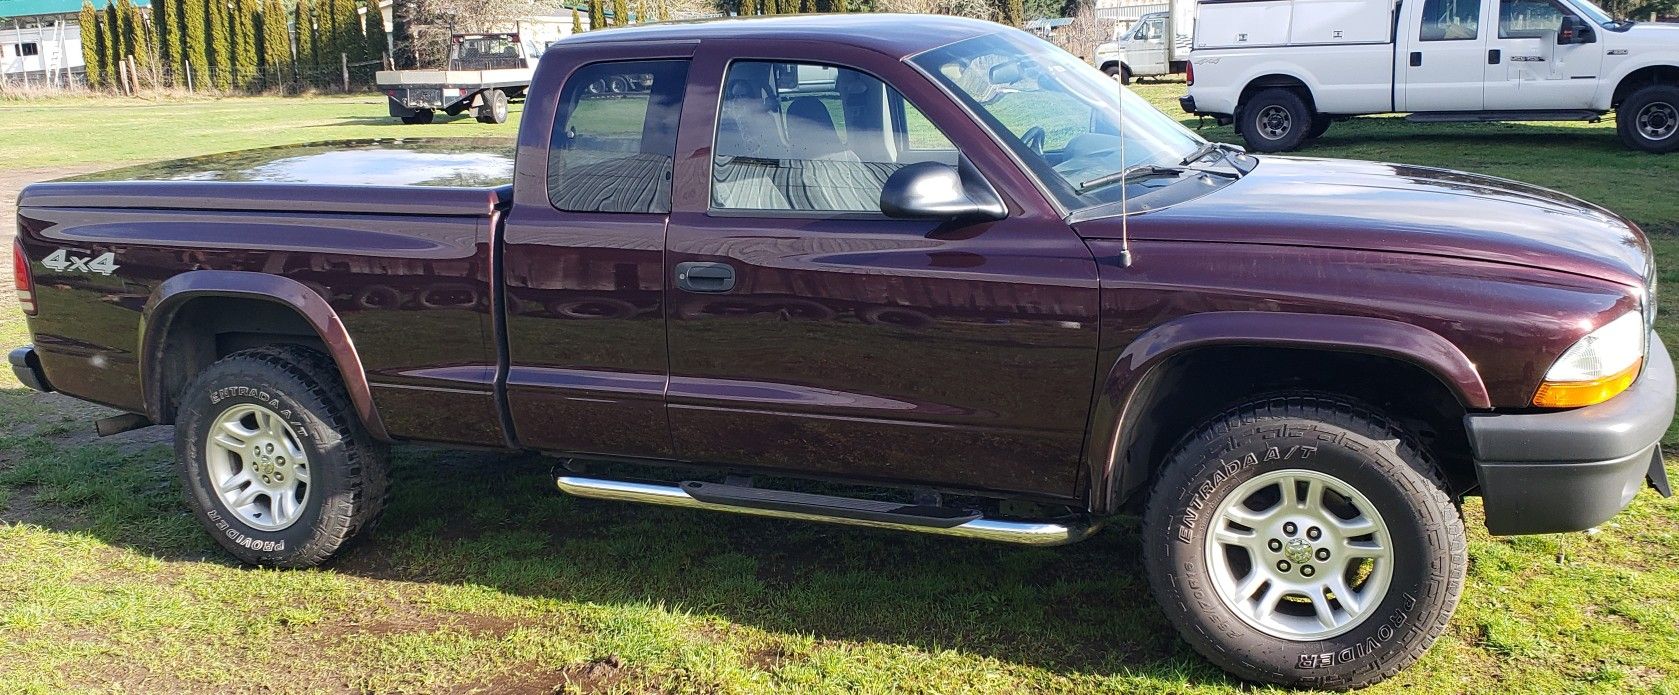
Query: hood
{"x": 1651, "y": 32}
{"x": 1403, "y": 209}
{"x": 453, "y": 162}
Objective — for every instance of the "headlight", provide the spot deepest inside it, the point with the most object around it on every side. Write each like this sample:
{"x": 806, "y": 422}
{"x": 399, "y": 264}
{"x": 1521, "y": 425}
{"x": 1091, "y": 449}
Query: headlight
{"x": 1596, "y": 369}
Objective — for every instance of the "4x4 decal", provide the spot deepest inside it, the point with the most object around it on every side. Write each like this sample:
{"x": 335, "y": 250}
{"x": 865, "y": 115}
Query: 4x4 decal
{"x": 61, "y": 261}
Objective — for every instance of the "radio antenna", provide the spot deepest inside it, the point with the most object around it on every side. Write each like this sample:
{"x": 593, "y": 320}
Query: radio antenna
{"x": 1124, "y": 190}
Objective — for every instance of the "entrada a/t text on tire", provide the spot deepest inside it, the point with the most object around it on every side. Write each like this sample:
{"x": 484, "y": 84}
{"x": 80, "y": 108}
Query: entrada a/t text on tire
{"x": 274, "y": 462}
{"x": 1304, "y": 541}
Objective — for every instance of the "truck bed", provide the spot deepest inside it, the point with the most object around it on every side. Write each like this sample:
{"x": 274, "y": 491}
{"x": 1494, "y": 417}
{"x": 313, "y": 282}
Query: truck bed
{"x": 394, "y": 237}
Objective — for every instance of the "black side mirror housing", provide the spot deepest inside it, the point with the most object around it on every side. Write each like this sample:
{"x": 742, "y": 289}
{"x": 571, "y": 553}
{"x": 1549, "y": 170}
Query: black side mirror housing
{"x": 933, "y": 190}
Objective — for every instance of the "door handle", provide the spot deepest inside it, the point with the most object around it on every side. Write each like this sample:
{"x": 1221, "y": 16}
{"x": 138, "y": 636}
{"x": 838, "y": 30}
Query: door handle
{"x": 1493, "y": 56}
{"x": 1416, "y": 59}
{"x": 705, "y": 277}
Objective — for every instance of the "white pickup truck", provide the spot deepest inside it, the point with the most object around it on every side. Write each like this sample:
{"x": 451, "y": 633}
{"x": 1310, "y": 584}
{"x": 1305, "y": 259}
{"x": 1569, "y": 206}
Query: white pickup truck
{"x": 1283, "y": 70}
{"x": 1156, "y": 43}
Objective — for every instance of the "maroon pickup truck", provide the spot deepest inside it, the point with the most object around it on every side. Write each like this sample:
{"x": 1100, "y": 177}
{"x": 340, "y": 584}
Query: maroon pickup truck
{"x": 955, "y": 276}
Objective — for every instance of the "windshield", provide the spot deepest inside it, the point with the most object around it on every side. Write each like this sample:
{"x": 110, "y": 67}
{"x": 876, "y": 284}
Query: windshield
{"x": 1066, "y": 121}
{"x": 1593, "y": 12}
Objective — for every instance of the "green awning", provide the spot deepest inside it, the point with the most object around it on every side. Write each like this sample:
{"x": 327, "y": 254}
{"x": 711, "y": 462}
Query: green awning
{"x": 31, "y": 8}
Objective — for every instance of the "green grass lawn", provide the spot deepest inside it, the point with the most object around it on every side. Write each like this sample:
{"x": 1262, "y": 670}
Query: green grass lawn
{"x": 481, "y": 578}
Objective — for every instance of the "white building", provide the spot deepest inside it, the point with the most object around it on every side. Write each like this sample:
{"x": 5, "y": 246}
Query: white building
{"x": 41, "y": 42}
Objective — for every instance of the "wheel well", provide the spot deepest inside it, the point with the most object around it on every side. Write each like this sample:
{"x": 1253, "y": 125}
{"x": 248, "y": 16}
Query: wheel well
{"x": 1643, "y": 77}
{"x": 1285, "y": 81}
{"x": 206, "y": 329}
{"x": 1197, "y": 385}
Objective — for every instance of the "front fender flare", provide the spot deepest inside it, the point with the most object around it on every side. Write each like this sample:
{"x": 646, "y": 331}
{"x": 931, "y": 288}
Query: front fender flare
{"x": 1106, "y": 467}
{"x": 168, "y": 298}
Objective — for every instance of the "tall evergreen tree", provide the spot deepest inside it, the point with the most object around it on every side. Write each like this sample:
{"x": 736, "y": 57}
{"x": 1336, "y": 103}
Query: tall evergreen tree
{"x": 839, "y": 6}
{"x": 403, "y": 55}
{"x": 351, "y": 39}
{"x": 275, "y": 44}
{"x": 195, "y": 48}
{"x": 373, "y": 27}
{"x": 620, "y": 13}
{"x": 242, "y": 25}
{"x": 308, "y": 53}
{"x": 219, "y": 44}
{"x": 597, "y": 15}
{"x": 165, "y": 38}
{"x": 576, "y": 22}
{"x": 135, "y": 39}
{"x": 1011, "y": 12}
{"x": 113, "y": 37}
{"x": 807, "y": 6}
{"x": 93, "y": 44}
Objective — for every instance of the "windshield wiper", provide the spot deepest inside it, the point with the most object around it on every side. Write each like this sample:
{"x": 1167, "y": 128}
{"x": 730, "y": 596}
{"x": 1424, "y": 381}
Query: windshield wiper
{"x": 1224, "y": 151}
{"x": 1149, "y": 171}
{"x": 1134, "y": 173}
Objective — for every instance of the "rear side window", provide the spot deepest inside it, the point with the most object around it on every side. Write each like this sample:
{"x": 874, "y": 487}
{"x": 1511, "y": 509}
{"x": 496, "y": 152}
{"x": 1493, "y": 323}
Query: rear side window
{"x": 615, "y": 137}
{"x": 1450, "y": 20}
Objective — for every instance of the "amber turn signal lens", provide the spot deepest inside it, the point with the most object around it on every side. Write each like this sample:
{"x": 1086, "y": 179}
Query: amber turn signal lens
{"x": 1582, "y": 393}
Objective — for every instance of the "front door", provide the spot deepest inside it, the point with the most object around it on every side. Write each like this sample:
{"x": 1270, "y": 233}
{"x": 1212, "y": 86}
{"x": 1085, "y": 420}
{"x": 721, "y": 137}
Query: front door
{"x": 583, "y": 257}
{"x": 1527, "y": 70}
{"x": 1146, "y": 51}
{"x": 810, "y": 333}
{"x": 1442, "y": 57}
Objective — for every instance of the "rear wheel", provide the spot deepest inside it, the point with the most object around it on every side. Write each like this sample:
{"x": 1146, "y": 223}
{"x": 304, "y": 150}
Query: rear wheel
{"x": 1304, "y": 541}
{"x": 1320, "y": 125}
{"x": 420, "y": 117}
{"x": 1275, "y": 120}
{"x": 1649, "y": 119}
{"x": 494, "y": 107}
{"x": 274, "y": 463}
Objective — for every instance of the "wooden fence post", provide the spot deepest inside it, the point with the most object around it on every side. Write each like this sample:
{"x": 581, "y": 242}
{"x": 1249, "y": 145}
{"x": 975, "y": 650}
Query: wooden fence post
{"x": 134, "y": 74}
{"x": 344, "y": 62}
{"x": 188, "y": 70}
{"x": 122, "y": 75}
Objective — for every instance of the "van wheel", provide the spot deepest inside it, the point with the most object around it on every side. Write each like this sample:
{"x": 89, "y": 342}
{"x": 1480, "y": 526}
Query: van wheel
{"x": 274, "y": 463}
{"x": 1305, "y": 541}
{"x": 1275, "y": 120}
{"x": 1649, "y": 119}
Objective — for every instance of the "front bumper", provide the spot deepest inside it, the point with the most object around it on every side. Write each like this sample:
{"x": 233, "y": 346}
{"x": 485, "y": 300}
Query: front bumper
{"x": 26, "y": 366}
{"x": 1574, "y": 469}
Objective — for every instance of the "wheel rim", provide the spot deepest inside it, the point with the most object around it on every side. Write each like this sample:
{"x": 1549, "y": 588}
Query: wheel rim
{"x": 1300, "y": 555}
{"x": 1658, "y": 120}
{"x": 257, "y": 466}
{"x": 1274, "y": 122}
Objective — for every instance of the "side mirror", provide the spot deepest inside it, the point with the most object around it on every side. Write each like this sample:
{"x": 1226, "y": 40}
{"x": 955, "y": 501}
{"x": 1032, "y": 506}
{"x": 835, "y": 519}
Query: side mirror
{"x": 931, "y": 190}
{"x": 1574, "y": 30}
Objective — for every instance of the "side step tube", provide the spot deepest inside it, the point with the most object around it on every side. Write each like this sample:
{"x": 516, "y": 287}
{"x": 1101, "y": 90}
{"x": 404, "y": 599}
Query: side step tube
{"x": 1020, "y": 532}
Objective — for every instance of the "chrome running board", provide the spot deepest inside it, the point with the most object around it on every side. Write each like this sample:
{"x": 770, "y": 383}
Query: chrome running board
{"x": 1020, "y": 532}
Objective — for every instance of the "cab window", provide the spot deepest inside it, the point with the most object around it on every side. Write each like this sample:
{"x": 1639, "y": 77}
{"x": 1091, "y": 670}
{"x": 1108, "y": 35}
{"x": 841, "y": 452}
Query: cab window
{"x": 813, "y": 138}
{"x": 1450, "y": 20}
{"x": 1528, "y": 19}
{"x": 614, "y": 137}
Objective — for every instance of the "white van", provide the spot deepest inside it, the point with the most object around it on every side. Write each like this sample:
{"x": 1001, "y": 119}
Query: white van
{"x": 1283, "y": 70}
{"x": 1156, "y": 44}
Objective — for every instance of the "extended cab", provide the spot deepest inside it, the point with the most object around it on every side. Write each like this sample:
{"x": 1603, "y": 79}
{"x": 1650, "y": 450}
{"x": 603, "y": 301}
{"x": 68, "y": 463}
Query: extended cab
{"x": 945, "y": 267}
{"x": 1284, "y": 70}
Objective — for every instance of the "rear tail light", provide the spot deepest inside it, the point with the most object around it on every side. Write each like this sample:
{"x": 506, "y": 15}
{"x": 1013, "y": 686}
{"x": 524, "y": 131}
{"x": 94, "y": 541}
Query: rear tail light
{"x": 24, "y": 284}
{"x": 1189, "y": 74}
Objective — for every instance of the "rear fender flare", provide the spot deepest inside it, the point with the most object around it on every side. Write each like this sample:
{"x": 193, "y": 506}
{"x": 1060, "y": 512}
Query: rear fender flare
{"x": 1107, "y": 468}
{"x": 176, "y": 292}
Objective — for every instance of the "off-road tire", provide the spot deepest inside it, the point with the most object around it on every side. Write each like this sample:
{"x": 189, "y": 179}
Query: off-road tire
{"x": 348, "y": 467}
{"x": 1635, "y": 135}
{"x": 1326, "y": 435}
{"x": 1275, "y": 120}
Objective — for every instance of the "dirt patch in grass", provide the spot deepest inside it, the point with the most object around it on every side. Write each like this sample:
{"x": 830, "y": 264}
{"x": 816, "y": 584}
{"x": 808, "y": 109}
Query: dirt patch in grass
{"x": 597, "y": 676}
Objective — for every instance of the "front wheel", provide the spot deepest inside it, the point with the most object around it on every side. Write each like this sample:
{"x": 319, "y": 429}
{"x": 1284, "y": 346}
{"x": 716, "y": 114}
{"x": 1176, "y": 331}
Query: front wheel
{"x": 1275, "y": 120}
{"x": 1304, "y": 541}
{"x": 274, "y": 463}
{"x": 1649, "y": 119}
